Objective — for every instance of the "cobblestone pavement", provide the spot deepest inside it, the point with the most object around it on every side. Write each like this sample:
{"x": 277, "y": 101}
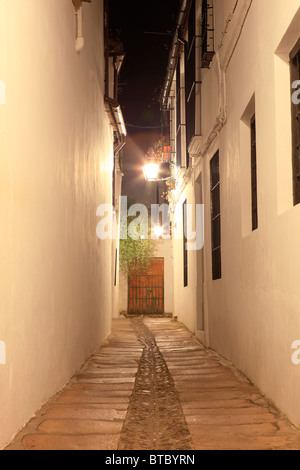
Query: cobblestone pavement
{"x": 154, "y": 386}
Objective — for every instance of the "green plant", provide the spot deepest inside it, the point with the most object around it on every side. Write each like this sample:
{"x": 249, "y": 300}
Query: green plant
{"x": 136, "y": 255}
{"x": 158, "y": 146}
{"x": 170, "y": 186}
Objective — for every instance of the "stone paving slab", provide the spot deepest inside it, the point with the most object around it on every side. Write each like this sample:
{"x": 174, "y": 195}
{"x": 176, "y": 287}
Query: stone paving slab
{"x": 79, "y": 426}
{"x": 154, "y": 386}
{"x": 48, "y": 442}
{"x": 86, "y": 414}
{"x": 223, "y": 411}
{"x": 89, "y": 413}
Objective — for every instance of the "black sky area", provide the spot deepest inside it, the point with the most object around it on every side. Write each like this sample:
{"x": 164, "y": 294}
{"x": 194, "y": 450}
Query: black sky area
{"x": 142, "y": 76}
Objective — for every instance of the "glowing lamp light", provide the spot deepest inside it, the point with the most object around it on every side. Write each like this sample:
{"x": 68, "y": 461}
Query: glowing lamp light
{"x": 151, "y": 170}
{"x": 158, "y": 231}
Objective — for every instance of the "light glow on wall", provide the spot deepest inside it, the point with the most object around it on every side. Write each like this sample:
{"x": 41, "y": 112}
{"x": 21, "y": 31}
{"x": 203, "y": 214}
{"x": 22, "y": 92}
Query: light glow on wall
{"x": 2, "y": 353}
{"x": 2, "y": 92}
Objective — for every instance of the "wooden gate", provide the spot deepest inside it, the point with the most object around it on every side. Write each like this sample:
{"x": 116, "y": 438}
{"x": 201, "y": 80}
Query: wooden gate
{"x": 146, "y": 291}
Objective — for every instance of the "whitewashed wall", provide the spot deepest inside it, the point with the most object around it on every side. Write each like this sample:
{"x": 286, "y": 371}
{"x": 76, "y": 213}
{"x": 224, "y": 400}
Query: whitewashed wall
{"x": 55, "y": 169}
{"x": 254, "y": 309}
{"x": 252, "y": 313}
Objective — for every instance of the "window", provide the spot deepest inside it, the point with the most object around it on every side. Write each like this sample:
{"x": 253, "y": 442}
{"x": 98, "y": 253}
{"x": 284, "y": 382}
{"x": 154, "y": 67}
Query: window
{"x": 254, "y": 175}
{"x": 116, "y": 265}
{"x": 207, "y": 34}
{"x": 295, "y": 76}
{"x": 185, "y": 251}
{"x": 190, "y": 79}
{"x": 114, "y": 183}
{"x": 215, "y": 217}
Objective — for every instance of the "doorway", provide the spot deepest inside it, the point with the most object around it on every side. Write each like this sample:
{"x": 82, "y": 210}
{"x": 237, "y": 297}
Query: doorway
{"x": 200, "y": 265}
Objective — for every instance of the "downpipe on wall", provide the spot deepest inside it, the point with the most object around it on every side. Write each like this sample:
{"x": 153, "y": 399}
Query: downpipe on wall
{"x": 79, "y": 42}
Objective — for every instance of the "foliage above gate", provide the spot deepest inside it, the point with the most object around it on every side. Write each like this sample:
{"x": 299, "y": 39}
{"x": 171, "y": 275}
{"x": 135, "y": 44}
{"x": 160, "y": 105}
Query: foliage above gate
{"x": 136, "y": 255}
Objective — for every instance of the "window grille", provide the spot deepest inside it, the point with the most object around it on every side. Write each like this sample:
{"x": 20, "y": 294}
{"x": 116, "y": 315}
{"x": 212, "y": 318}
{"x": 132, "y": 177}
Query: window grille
{"x": 190, "y": 78}
{"x": 295, "y": 76}
{"x": 185, "y": 251}
{"x": 116, "y": 267}
{"x": 254, "y": 175}
{"x": 207, "y": 34}
{"x": 215, "y": 217}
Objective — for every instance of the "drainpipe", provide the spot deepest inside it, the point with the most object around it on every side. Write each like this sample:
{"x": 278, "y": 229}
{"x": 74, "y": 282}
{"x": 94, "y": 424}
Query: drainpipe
{"x": 106, "y": 47}
{"x": 116, "y": 119}
{"x": 120, "y": 145}
{"x": 79, "y": 42}
{"x": 174, "y": 53}
{"x": 112, "y": 106}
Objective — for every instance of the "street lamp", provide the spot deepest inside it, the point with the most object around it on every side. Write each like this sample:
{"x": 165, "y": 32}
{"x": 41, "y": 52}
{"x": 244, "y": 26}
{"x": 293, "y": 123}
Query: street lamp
{"x": 151, "y": 170}
{"x": 152, "y": 166}
{"x": 158, "y": 231}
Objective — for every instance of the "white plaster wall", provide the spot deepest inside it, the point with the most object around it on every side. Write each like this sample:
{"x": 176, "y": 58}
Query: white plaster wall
{"x": 55, "y": 169}
{"x": 116, "y": 246}
{"x": 252, "y": 313}
{"x": 184, "y": 297}
{"x": 123, "y": 293}
{"x": 254, "y": 309}
{"x": 164, "y": 250}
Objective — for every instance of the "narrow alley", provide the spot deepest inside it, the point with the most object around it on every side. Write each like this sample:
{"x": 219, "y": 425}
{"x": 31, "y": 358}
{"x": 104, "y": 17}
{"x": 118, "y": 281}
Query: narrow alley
{"x": 152, "y": 385}
{"x": 150, "y": 223}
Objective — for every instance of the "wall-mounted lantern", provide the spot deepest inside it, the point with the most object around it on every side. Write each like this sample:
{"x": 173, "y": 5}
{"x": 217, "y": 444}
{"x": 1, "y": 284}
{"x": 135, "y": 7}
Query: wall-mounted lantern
{"x": 153, "y": 162}
{"x": 151, "y": 166}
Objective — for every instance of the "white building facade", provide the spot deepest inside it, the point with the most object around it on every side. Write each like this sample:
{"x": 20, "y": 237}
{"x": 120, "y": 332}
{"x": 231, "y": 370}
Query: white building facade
{"x": 231, "y": 93}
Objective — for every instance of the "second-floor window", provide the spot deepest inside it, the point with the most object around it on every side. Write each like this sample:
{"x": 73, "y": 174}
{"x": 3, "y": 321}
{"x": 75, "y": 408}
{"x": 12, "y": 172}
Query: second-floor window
{"x": 207, "y": 34}
{"x": 295, "y": 78}
{"x": 190, "y": 78}
{"x": 178, "y": 119}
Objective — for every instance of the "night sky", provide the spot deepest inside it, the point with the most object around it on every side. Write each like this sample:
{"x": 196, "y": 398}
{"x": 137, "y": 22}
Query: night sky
{"x": 142, "y": 76}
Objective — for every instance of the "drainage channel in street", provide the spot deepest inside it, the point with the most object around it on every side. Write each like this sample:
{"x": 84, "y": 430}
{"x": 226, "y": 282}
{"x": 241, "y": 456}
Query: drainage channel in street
{"x": 154, "y": 418}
